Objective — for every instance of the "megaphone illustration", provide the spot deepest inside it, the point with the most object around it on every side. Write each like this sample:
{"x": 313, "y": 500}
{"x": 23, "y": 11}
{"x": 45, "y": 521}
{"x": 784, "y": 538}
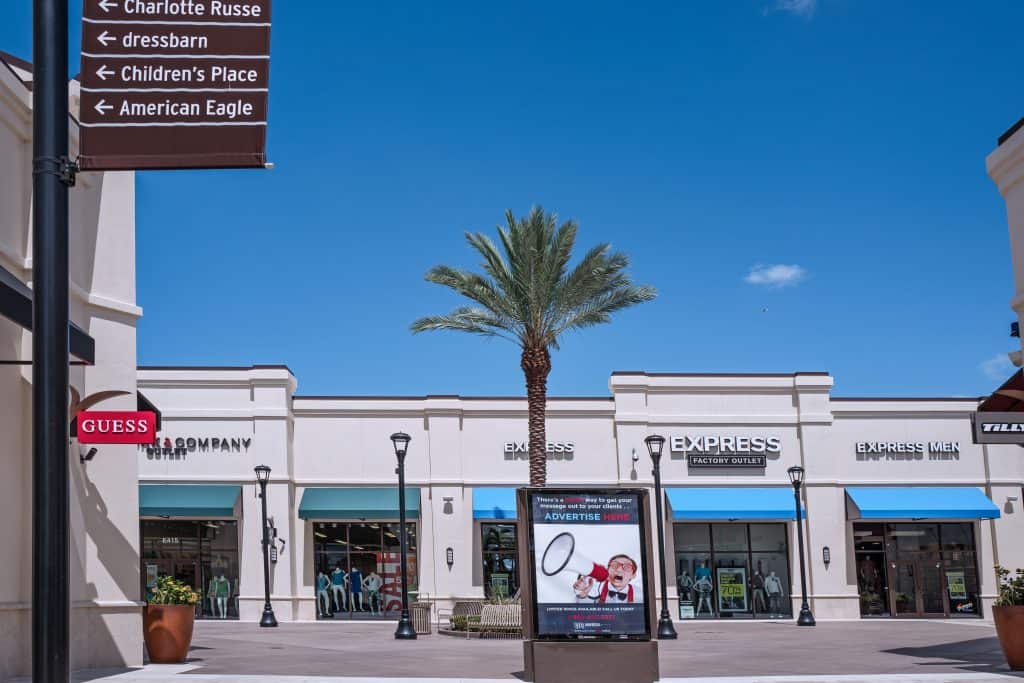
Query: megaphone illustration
{"x": 561, "y": 556}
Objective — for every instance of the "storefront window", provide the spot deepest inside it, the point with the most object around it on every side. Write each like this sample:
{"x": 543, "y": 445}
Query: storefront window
{"x": 201, "y": 553}
{"x": 358, "y": 568}
{"x": 917, "y": 569}
{"x": 732, "y": 570}
{"x": 499, "y": 555}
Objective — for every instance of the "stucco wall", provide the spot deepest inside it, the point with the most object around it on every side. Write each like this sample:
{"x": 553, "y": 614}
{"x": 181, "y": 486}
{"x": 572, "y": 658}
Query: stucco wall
{"x": 105, "y": 608}
{"x": 458, "y": 445}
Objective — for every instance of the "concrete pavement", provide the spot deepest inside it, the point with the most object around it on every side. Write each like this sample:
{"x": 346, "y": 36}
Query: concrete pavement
{"x": 879, "y": 651}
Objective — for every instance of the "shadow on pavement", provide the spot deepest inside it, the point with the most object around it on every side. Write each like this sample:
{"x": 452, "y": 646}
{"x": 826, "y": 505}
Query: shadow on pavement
{"x": 978, "y": 655}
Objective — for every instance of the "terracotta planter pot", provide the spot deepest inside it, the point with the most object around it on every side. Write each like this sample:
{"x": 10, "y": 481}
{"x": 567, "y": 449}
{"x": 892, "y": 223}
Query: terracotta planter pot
{"x": 167, "y": 630}
{"x": 1010, "y": 629}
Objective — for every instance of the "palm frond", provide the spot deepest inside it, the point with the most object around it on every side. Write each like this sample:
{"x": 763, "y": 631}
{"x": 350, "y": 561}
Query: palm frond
{"x": 528, "y": 292}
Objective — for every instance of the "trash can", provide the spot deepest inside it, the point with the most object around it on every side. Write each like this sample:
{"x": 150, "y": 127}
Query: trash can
{"x": 420, "y": 617}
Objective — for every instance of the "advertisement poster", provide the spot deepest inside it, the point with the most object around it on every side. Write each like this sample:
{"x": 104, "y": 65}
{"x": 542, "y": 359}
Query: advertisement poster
{"x": 957, "y": 585}
{"x": 588, "y": 564}
{"x": 732, "y": 589}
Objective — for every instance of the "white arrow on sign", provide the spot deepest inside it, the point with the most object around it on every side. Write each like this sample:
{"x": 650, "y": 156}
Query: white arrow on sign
{"x": 105, "y": 5}
{"x": 102, "y": 106}
{"x": 105, "y": 38}
{"x": 103, "y": 72}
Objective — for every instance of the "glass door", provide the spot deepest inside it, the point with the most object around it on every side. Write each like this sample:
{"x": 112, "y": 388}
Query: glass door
{"x": 917, "y": 577}
{"x": 904, "y": 588}
{"x": 931, "y": 591}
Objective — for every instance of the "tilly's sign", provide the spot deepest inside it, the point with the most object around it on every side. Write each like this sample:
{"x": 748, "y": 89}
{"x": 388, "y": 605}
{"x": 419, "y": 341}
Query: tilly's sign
{"x": 103, "y": 427}
{"x": 998, "y": 427}
{"x": 726, "y": 451}
{"x": 174, "y": 84}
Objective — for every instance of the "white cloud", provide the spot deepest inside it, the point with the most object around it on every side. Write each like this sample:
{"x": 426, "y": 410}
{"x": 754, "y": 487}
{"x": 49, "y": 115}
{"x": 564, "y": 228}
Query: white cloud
{"x": 997, "y": 368}
{"x": 800, "y": 8}
{"x": 775, "y": 276}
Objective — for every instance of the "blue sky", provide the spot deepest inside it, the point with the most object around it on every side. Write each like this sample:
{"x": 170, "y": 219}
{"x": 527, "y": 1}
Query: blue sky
{"x": 842, "y": 139}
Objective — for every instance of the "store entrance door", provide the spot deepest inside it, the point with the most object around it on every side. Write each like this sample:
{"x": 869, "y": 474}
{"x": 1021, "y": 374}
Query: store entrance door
{"x": 917, "y": 587}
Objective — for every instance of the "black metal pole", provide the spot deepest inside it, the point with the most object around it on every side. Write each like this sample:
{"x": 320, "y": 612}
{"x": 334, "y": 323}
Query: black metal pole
{"x": 268, "y": 619}
{"x": 805, "y": 618}
{"x": 50, "y": 547}
{"x": 666, "y": 631}
{"x": 405, "y": 630}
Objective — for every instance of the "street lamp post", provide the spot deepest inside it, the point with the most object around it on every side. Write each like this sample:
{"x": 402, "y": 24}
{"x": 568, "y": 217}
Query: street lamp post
{"x": 796, "y": 477}
{"x": 268, "y": 619}
{"x": 401, "y": 440}
{"x": 655, "y": 444}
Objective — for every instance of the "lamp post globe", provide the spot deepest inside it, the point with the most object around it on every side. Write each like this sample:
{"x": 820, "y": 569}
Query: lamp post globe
{"x": 655, "y": 445}
{"x": 796, "y": 478}
{"x": 405, "y": 630}
{"x": 262, "y": 477}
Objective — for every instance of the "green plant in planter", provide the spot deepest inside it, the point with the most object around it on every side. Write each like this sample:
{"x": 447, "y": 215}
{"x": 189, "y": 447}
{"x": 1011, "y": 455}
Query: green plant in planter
{"x": 1011, "y": 589}
{"x": 170, "y": 591}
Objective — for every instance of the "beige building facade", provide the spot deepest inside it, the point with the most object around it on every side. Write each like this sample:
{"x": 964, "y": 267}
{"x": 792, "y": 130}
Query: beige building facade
{"x": 913, "y": 514}
{"x": 105, "y": 611}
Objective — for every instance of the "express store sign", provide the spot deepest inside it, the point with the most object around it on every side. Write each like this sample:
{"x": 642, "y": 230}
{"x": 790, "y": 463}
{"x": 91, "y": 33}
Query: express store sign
{"x": 116, "y": 426}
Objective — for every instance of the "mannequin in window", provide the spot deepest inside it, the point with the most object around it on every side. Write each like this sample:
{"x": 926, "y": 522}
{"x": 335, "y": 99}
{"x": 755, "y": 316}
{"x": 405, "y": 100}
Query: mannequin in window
{"x": 703, "y": 587}
{"x": 372, "y": 584}
{"x": 211, "y": 596}
{"x": 868, "y": 575}
{"x": 757, "y": 586}
{"x": 773, "y": 587}
{"x": 322, "y": 584}
{"x": 685, "y": 582}
{"x": 222, "y": 591}
{"x": 355, "y": 582}
{"x": 338, "y": 579}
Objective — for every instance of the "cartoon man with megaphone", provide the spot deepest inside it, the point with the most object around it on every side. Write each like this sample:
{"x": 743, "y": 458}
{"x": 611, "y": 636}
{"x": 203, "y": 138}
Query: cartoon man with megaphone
{"x": 612, "y": 583}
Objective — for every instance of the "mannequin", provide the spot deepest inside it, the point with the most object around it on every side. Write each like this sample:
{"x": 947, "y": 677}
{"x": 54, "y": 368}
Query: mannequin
{"x": 338, "y": 579}
{"x": 356, "y": 587}
{"x": 322, "y": 583}
{"x": 211, "y": 596}
{"x": 868, "y": 575}
{"x": 702, "y": 572}
{"x": 773, "y": 587}
{"x": 757, "y": 584}
{"x": 222, "y": 590}
{"x": 703, "y": 588}
{"x": 685, "y": 582}
{"x": 372, "y": 583}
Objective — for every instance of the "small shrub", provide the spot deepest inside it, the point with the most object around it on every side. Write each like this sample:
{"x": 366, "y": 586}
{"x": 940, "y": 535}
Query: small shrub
{"x": 1011, "y": 589}
{"x": 170, "y": 591}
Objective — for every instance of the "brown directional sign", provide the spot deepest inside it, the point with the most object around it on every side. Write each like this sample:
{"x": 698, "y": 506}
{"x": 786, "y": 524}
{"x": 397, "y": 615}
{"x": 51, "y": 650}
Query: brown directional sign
{"x": 174, "y": 84}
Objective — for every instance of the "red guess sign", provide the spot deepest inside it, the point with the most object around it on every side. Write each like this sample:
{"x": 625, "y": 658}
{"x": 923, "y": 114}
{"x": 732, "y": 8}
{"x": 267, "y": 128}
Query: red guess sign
{"x": 116, "y": 426}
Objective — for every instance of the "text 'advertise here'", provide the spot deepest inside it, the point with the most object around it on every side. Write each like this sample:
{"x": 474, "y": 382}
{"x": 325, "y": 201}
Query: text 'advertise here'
{"x": 174, "y": 84}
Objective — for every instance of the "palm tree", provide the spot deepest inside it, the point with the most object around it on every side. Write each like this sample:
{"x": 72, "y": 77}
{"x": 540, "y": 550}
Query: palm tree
{"x": 530, "y": 296}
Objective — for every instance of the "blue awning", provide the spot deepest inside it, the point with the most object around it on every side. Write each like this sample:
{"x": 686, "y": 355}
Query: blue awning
{"x": 920, "y": 502}
{"x": 719, "y": 502}
{"x": 187, "y": 500}
{"x": 357, "y": 503}
{"x": 494, "y": 503}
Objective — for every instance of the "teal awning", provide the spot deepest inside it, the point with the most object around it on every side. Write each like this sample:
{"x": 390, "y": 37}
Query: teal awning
{"x": 357, "y": 503}
{"x": 728, "y": 503}
{"x": 920, "y": 502}
{"x": 187, "y": 500}
{"x": 494, "y": 503}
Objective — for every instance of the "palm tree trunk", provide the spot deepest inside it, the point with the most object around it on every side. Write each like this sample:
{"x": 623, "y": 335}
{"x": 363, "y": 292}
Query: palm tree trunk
{"x": 536, "y": 365}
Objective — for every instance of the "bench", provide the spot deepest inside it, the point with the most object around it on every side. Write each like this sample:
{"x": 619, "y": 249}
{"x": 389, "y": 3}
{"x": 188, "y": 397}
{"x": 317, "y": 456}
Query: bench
{"x": 460, "y": 614}
{"x": 497, "y": 621}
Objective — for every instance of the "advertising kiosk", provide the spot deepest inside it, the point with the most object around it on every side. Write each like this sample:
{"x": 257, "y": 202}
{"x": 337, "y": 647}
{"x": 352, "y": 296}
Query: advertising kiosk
{"x": 587, "y": 585}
